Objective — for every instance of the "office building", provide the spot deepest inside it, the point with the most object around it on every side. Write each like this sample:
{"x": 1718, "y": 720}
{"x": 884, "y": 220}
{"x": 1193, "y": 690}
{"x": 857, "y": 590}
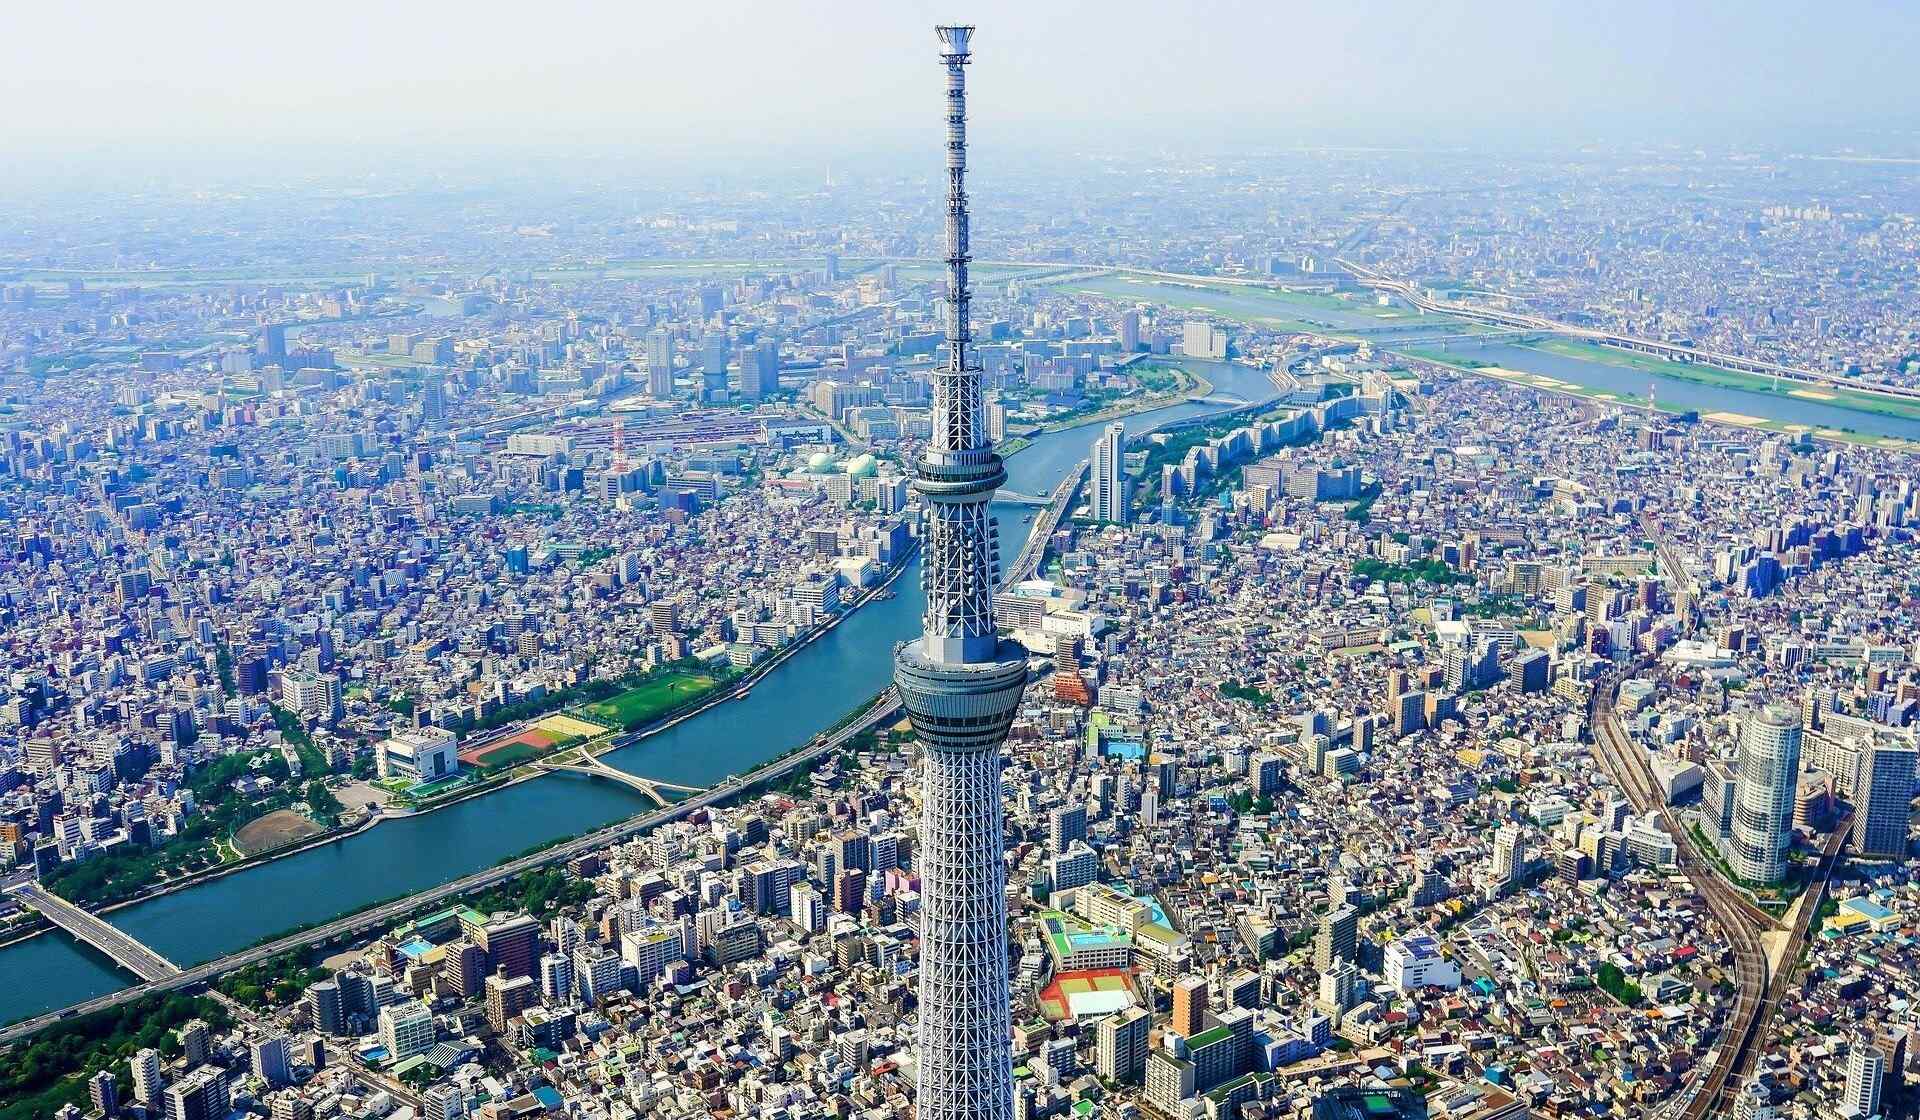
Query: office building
{"x": 660, "y": 365}
{"x": 512, "y": 943}
{"x": 1765, "y": 782}
{"x": 759, "y": 370}
{"x": 271, "y": 1059}
{"x": 713, "y": 366}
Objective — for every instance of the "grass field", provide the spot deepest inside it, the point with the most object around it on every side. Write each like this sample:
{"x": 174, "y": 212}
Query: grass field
{"x": 1279, "y": 310}
{"x": 648, "y": 701}
{"x": 511, "y": 753}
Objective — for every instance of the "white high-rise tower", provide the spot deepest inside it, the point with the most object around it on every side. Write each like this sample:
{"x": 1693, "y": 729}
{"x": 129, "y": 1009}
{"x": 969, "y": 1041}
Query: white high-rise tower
{"x": 961, "y": 685}
{"x": 1765, "y": 785}
{"x": 1109, "y": 481}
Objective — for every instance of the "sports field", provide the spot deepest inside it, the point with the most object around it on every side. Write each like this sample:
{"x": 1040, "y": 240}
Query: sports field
{"x": 646, "y": 702}
{"x": 542, "y": 738}
{"x": 275, "y": 829}
{"x": 1090, "y": 992}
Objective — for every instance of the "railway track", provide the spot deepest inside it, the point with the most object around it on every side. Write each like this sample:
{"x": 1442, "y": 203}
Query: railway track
{"x": 1739, "y": 920}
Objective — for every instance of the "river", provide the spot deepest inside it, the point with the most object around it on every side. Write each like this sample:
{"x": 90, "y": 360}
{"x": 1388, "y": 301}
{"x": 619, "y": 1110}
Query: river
{"x": 800, "y": 698}
{"x": 1689, "y": 394}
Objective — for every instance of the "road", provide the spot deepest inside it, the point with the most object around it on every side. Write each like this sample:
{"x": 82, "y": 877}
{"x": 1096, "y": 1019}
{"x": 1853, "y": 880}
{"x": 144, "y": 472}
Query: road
{"x": 1041, "y": 534}
{"x": 126, "y": 951}
{"x": 884, "y": 707}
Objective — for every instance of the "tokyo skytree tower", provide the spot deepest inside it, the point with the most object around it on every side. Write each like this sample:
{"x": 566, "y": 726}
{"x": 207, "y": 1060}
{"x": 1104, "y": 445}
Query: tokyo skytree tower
{"x": 961, "y": 686}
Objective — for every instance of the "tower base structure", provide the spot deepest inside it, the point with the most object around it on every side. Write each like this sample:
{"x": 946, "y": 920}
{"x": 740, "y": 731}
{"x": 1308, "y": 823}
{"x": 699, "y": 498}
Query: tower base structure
{"x": 961, "y": 713}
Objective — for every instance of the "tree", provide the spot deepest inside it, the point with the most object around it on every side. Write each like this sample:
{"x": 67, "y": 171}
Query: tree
{"x": 326, "y": 807}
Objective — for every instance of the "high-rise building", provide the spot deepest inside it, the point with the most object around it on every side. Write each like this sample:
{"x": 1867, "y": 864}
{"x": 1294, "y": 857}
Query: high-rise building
{"x": 1109, "y": 481}
{"x": 760, "y": 369}
{"x": 196, "y": 1041}
{"x": 103, "y": 1093}
{"x": 325, "y": 1009}
{"x": 1509, "y": 854}
{"x": 1866, "y": 1066}
{"x": 961, "y": 684}
{"x": 1120, "y": 1046}
{"x": 200, "y": 1095}
{"x": 596, "y": 972}
{"x": 659, "y": 364}
{"x": 1065, "y": 825}
{"x": 1189, "y": 1006}
{"x": 272, "y": 1060}
{"x": 406, "y": 1029}
{"x": 1338, "y": 938}
{"x": 146, "y": 1077}
{"x": 556, "y": 978}
{"x": 512, "y": 944}
{"x": 713, "y": 365}
{"x": 1765, "y": 782}
{"x": 1883, "y": 792}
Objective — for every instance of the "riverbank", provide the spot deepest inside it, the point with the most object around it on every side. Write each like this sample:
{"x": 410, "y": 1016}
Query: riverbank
{"x": 1198, "y": 387}
{"x": 1544, "y": 384}
{"x": 1862, "y": 399}
{"x": 522, "y": 772}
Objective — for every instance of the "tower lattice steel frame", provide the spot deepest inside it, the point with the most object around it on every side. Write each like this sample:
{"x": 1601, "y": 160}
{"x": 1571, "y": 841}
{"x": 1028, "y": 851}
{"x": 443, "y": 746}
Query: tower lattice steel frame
{"x": 961, "y": 685}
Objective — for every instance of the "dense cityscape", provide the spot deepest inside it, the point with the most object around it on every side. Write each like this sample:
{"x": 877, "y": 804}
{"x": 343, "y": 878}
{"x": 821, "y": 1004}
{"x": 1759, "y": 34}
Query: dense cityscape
{"x": 1311, "y": 634}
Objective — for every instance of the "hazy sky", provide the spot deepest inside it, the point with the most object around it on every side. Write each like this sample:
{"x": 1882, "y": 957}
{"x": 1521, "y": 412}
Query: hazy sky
{"x": 725, "y": 74}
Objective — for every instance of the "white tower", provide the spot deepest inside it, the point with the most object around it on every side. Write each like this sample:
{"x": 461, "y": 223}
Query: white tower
{"x": 961, "y": 685}
{"x": 1765, "y": 785}
{"x": 1110, "y": 474}
{"x": 1866, "y": 1066}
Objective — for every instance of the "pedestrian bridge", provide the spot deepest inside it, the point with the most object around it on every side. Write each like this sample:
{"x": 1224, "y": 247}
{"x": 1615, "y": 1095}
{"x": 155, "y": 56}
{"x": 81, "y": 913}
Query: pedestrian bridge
{"x": 597, "y": 767}
{"x": 125, "y": 951}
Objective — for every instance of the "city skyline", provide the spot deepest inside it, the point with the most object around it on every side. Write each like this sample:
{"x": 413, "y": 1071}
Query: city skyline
{"x": 1055, "y": 601}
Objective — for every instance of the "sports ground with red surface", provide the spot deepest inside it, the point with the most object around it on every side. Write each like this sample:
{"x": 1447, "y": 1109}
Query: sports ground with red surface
{"x": 540, "y": 739}
{"x": 1089, "y": 991}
